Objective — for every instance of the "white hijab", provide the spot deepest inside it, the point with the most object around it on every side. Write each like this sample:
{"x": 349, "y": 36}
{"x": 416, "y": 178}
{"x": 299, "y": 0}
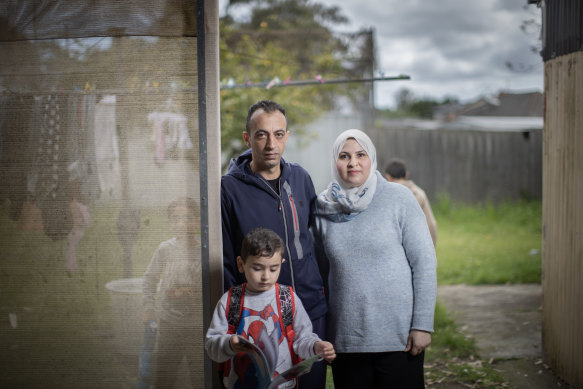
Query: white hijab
{"x": 339, "y": 202}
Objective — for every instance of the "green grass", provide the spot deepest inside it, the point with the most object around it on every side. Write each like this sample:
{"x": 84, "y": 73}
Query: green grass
{"x": 453, "y": 358}
{"x": 448, "y": 340}
{"x": 488, "y": 244}
{"x": 485, "y": 244}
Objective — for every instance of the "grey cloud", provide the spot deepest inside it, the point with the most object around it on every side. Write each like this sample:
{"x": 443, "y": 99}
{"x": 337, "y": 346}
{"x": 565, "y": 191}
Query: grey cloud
{"x": 454, "y": 47}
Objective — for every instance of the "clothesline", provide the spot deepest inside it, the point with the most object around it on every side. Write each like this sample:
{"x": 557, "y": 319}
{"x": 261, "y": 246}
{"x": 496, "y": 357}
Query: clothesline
{"x": 89, "y": 88}
{"x": 95, "y": 91}
{"x": 276, "y": 82}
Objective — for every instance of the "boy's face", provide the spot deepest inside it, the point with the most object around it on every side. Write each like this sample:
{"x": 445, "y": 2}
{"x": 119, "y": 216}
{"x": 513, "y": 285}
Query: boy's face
{"x": 261, "y": 272}
{"x": 183, "y": 223}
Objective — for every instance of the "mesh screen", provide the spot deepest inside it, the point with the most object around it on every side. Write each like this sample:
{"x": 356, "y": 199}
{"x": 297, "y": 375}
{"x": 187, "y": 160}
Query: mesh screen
{"x": 99, "y": 218}
{"x": 54, "y": 19}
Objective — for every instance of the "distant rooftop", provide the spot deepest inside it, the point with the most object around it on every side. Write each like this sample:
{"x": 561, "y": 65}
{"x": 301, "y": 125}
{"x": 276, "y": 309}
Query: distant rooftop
{"x": 497, "y": 123}
{"x": 506, "y": 104}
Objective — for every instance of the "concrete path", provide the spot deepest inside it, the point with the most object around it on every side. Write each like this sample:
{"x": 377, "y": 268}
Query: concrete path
{"x": 505, "y": 321}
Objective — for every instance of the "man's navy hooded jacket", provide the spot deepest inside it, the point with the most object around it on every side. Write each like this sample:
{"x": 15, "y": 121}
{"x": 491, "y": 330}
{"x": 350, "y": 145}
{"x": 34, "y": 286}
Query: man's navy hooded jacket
{"x": 248, "y": 202}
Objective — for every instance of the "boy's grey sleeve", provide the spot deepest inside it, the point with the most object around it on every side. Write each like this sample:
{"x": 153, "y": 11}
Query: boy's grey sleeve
{"x": 217, "y": 341}
{"x": 304, "y": 336}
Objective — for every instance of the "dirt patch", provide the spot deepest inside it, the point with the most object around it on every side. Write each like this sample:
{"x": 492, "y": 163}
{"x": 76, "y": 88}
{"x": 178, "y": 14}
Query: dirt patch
{"x": 505, "y": 321}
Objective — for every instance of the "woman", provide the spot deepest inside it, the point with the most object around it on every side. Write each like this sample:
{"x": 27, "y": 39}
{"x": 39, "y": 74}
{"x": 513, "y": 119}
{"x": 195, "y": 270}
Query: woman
{"x": 373, "y": 240}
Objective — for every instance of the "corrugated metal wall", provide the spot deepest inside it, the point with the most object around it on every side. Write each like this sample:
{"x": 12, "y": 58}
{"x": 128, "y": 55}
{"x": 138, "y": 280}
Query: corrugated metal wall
{"x": 563, "y": 217}
{"x": 562, "y": 37}
{"x": 469, "y": 166}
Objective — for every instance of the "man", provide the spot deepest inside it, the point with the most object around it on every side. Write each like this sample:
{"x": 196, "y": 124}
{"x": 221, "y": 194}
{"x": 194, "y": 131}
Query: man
{"x": 396, "y": 171}
{"x": 260, "y": 189}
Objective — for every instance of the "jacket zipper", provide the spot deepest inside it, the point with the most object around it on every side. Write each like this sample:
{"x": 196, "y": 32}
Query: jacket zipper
{"x": 282, "y": 210}
{"x": 294, "y": 212}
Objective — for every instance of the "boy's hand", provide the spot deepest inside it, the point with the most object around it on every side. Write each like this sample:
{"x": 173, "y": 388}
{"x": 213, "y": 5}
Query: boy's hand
{"x": 238, "y": 346}
{"x": 325, "y": 350}
{"x": 417, "y": 342}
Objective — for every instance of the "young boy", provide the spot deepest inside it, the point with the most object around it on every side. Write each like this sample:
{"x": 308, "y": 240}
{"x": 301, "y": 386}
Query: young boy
{"x": 176, "y": 266}
{"x": 260, "y": 260}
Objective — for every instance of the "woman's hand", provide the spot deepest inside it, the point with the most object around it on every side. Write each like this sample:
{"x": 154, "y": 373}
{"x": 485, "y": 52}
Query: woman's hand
{"x": 417, "y": 342}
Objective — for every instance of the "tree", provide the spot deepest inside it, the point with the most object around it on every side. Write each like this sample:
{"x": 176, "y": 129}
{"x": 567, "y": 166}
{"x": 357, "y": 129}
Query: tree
{"x": 404, "y": 98}
{"x": 411, "y": 106}
{"x": 531, "y": 26}
{"x": 283, "y": 38}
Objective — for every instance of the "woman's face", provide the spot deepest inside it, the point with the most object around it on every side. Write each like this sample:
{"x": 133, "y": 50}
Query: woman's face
{"x": 353, "y": 164}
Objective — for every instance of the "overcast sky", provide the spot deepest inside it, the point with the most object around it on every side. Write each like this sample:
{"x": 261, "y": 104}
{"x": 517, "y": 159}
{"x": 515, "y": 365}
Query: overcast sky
{"x": 454, "y": 48}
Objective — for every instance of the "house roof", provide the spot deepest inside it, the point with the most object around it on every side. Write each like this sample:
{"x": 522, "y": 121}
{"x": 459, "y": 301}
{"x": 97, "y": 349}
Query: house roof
{"x": 497, "y": 123}
{"x": 506, "y": 104}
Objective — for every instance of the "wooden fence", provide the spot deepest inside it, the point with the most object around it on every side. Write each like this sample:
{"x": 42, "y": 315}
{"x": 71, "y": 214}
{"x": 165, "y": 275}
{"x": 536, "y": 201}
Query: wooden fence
{"x": 467, "y": 165}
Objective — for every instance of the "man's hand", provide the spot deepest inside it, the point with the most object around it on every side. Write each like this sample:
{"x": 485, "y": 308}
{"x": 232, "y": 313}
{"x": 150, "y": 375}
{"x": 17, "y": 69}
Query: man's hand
{"x": 325, "y": 350}
{"x": 417, "y": 342}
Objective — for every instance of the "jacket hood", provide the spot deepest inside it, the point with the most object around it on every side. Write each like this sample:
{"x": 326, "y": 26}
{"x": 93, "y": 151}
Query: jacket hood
{"x": 237, "y": 164}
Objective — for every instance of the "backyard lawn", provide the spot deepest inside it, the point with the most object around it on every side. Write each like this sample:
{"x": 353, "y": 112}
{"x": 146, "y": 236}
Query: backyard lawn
{"x": 488, "y": 244}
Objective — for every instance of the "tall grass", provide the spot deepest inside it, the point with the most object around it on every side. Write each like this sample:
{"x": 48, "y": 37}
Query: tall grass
{"x": 488, "y": 243}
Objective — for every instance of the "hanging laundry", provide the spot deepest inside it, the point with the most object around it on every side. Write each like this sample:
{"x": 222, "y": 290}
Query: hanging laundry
{"x": 52, "y": 193}
{"x": 80, "y": 146}
{"x": 169, "y": 132}
{"x": 158, "y": 126}
{"x": 16, "y": 161}
{"x": 81, "y": 219}
{"x": 106, "y": 147}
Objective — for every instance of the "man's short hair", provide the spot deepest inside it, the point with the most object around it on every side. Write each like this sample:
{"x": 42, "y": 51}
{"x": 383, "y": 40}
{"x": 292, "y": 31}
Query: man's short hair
{"x": 261, "y": 242}
{"x": 396, "y": 168}
{"x": 186, "y": 202}
{"x": 267, "y": 106}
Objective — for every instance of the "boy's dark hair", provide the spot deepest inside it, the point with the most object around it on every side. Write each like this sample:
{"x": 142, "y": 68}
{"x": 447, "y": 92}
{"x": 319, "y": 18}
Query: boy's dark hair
{"x": 396, "y": 168}
{"x": 267, "y": 106}
{"x": 186, "y": 202}
{"x": 261, "y": 242}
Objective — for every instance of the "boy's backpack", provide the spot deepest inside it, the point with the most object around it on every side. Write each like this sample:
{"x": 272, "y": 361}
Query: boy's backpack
{"x": 285, "y": 305}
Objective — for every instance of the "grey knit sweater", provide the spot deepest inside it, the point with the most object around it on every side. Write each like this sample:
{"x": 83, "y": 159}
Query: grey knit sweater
{"x": 382, "y": 272}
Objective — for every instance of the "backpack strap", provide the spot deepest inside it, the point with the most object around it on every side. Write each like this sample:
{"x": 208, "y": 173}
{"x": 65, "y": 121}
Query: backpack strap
{"x": 233, "y": 312}
{"x": 287, "y": 309}
{"x": 285, "y": 305}
{"x": 234, "y": 307}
